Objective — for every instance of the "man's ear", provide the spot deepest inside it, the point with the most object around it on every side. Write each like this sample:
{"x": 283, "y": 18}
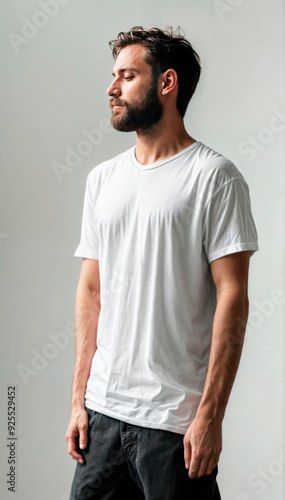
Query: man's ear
{"x": 169, "y": 81}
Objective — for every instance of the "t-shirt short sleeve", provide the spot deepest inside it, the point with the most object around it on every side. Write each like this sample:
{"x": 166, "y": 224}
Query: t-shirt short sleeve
{"x": 89, "y": 241}
{"x": 228, "y": 224}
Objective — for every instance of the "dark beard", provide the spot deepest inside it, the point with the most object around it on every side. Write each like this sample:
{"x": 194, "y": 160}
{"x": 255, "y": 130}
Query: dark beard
{"x": 140, "y": 117}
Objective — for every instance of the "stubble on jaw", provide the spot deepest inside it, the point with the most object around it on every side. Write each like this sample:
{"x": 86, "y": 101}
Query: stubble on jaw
{"x": 141, "y": 118}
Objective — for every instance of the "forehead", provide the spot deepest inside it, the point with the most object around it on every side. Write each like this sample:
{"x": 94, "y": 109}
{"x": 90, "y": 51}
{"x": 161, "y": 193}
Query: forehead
{"x": 132, "y": 56}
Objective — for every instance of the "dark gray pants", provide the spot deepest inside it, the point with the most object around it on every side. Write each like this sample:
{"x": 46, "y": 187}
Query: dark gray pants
{"x": 128, "y": 462}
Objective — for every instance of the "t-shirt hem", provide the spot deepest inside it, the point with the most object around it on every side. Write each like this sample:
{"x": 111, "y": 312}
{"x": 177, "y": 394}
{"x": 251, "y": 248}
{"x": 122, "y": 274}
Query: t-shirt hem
{"x": 135, "y": 421}
{"x": 238, "y": 247}
{"x": 87, "y": 254}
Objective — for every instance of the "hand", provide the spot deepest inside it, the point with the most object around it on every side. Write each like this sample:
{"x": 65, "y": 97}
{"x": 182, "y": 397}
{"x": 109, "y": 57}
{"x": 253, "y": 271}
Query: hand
{"x": 202, "y": 446}
{"x": 78, "y": 426}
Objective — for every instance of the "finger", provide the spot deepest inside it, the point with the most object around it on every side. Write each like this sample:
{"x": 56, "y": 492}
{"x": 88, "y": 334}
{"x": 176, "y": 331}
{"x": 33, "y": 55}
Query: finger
{"x": 202, "y": 467}
{"x": 193, "y": 466}
{"x": 187, "y": 453}
{"x": 72, "y": 450}
{"x": 211, "y": 465}
{"x": 83, "y": 436}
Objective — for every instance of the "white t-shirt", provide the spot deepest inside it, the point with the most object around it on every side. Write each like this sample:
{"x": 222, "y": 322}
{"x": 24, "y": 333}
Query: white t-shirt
{"x": 155, "y": 229}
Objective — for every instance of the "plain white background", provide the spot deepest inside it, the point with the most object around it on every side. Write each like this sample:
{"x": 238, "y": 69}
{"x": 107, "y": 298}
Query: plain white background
{"x": 56, "y": 67}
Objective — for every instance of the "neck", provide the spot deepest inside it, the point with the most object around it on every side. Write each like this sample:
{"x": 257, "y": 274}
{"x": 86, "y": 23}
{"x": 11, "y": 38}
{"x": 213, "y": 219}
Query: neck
{"x": 162, "y": 141}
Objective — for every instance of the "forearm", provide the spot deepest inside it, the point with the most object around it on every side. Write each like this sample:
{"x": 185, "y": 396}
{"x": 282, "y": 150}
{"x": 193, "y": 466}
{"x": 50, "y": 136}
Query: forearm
{"x": 227, "y": 341}
{"x": 87, "y": 309}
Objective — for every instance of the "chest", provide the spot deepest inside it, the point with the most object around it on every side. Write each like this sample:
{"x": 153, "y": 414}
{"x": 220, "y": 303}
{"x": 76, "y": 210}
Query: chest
{"x": 149, "y": 197}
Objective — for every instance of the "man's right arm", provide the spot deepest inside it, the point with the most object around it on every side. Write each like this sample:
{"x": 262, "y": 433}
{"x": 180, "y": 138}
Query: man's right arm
{"x": 87, "y": 309}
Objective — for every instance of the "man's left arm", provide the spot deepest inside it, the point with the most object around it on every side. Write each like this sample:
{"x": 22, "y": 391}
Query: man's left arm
{"x": 203, "y": 438}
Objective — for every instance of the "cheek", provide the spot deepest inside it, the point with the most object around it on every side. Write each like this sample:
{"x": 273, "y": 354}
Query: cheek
{"x": 134, "y": 92}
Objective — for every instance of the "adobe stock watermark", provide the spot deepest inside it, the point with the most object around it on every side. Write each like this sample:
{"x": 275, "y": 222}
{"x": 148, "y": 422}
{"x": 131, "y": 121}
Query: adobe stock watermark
{"x": 92, "y": 138}
{"x": 264, "y": 476}
{"x": 106, "y": 468}
{"x": 41, "y": 358}
{"x": 40, "y": 19}
{"x": 264, "y": 309}
{"x": 256, "y": 143}
{"x": 118, "y": 283}
{"x": 222, "y": 7}
{"x": 50, "y": 351}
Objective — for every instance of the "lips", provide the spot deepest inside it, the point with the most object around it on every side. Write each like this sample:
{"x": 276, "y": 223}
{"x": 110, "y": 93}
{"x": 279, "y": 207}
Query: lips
{"x": 115, "y": 105}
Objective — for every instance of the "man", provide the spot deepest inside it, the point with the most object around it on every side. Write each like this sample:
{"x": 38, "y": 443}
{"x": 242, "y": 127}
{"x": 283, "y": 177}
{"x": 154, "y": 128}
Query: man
{"x": 161, "y": 305}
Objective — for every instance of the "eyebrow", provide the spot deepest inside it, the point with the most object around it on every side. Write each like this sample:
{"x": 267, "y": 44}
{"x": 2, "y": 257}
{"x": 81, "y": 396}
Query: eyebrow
{"x": 122, "y": 70}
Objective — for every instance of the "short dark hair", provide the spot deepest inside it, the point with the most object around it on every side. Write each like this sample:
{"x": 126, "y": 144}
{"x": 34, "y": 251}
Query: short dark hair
{"x": 166, "y": 50}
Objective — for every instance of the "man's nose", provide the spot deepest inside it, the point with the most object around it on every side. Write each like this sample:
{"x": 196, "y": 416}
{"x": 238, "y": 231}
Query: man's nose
{"x": 113, "y": 89}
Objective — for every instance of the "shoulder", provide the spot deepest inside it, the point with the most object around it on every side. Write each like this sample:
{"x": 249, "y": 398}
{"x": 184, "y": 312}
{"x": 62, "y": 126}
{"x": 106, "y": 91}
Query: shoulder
{"x": 105, "y": 168}
{"x": 212, "y": 163}
{"x": 216, "y": 171}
